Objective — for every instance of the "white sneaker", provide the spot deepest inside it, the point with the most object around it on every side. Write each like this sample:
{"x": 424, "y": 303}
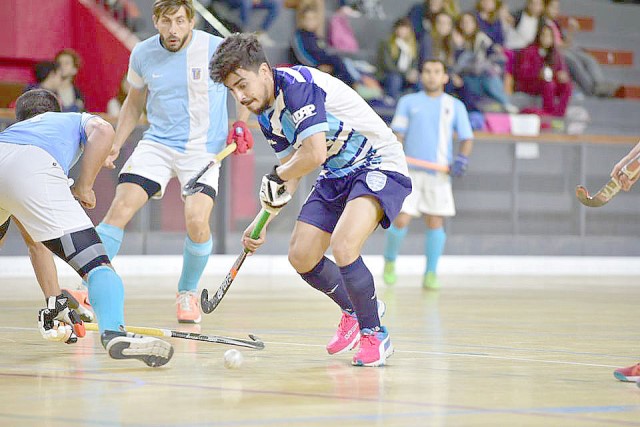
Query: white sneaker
{"x": 152, "y": 351}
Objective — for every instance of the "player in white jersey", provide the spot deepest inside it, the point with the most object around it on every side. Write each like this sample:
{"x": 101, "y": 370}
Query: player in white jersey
{"x": 426, "y": 121}
{"x": 312, "y": 119}
{"x": 187, "y": 114}
{"x": 35, "y": 157}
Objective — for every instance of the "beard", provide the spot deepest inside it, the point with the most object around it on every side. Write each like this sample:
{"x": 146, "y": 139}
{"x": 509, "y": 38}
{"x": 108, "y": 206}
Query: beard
{"x": 165, "y": 43}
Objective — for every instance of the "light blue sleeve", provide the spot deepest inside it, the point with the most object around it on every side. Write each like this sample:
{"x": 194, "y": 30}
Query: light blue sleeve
{"x": 462, "y": 124}
{"x": 84, "y": 119}
{"x": 400, "y": 122}
{"x": 134, "y": 75}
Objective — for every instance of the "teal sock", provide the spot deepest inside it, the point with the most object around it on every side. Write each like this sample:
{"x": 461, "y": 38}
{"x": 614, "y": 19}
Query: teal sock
{"x": 106, "y": 295}
{"x": 111, "y": 237}
{"x": 395, "y": 236}
{"x": 434, "y": 245}
{"x": 194, "y": 260}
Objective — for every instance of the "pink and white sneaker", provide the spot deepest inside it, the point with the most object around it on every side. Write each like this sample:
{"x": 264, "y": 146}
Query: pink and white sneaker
{"x": 629, "y": 374}
{"x": 375, "y": 348}
{"x": 348, "y": 334}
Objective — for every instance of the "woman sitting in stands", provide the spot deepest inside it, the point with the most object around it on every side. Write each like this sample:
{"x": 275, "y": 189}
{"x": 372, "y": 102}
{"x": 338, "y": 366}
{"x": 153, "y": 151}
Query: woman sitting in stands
{"x": 398, "y": 59}
{"x": 541, "y": 70}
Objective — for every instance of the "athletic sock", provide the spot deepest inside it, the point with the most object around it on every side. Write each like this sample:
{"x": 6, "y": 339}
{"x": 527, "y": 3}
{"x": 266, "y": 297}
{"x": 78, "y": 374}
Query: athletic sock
{"x": 106, "y": 295}
{"x": 326, "y": 278}
{"x": 434, "y": 245}
{"x": 194, "y": 260}
{"x": 111, "y": 237}
{"x": 362, "y": 292}
{"x": 395, "y": 236}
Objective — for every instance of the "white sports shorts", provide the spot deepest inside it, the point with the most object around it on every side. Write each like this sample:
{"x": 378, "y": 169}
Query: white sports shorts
{"x": 160, "y": 163}
{"x": 36, "y": 191}
{"x": 431, "y": 195}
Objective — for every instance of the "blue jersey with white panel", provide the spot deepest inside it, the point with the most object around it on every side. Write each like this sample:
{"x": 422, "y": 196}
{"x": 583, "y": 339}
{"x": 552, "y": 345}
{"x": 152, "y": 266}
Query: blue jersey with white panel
{"x": 308, "y": 101}
{"x": 62, "y": 135}
{"x": 186, "y": 110}
{"x": 428, "y": 123}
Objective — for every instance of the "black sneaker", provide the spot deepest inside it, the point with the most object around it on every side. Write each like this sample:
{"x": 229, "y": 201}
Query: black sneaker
{"x": 152, "y": 351}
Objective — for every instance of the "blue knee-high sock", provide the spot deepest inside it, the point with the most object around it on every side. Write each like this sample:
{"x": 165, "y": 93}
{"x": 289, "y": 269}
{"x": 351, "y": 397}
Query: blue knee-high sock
{"x": 111, "y": 237}
{"x": 362, "y": 292}
{"x": 434, "y": 245}
{"x": 106, "y": 295}
{"x": 194, "y": 260}
{"x": 326, "y": 278}
{"x": 395, "y": 236}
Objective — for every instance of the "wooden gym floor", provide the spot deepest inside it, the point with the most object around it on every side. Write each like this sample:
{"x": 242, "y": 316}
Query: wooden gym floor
{"x": 508, "y": 351}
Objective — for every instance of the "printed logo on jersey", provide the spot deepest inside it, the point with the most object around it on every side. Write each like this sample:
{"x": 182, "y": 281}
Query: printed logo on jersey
{"x": 376, "y": 180}
{"x": 303, "y": 113}
{"x": 196, "y": 73}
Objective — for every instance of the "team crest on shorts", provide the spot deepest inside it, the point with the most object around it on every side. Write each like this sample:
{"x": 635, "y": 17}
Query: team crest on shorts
{"x": 196, "y": 73}
{"x": 376, "y": 180}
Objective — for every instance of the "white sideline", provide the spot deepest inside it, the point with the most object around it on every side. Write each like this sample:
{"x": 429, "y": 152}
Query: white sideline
{"x": 257, "y": 265}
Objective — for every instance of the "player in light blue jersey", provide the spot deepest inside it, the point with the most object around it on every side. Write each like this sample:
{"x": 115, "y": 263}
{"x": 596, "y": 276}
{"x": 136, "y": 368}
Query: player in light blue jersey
{"x": 312, "y": 119}
{"x": 425, "y": 121}
{"x": 187, "y": 114}
{"x": 35, "y": 157}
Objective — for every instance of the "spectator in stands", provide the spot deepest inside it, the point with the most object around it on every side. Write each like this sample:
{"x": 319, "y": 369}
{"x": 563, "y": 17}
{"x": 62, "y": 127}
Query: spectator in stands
{"x": 526, "y": 23}
{"x": 47, "y": 77}
{"x": 479, "y": 62}
{"x": 70, "y": 96}
{"x": 341, "y": 36}
{"x": 398, "y": 59}
{"x": 441, "y": 35}
{"x": 422, "y": 17}
{"x": 246, "y": 7}
{"x": 311, "y": 50}
{"x": 540, "y": 70}
{"x": 488, "y": 16}
{"x": 115, "y": 104}
{"x": 583, "y": 67}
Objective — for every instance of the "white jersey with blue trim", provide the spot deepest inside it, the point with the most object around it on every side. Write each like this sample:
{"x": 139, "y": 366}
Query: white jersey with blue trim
{"x": 186, "y": 110}
{"x": 308, "y": 101}
{"x": 62, "y": 135}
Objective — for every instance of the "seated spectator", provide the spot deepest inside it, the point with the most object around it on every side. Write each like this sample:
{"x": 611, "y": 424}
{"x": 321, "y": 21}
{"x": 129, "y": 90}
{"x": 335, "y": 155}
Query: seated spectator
{"x": 310, "y": 50}
{"x": 526, "y": 23}
{"x": 540, "y": 70}
{"x": 47, "y": 77}
{"x": 479, "y": 62}
{"x": 488, "y": 16}
{"x": 246, "y": 7}
{"x": 71, "y": 99}
{"x": 583, "y": 67}
{"x": 441, "y": 35}
{"x": 341, "y": 36}
{"x": 422, "y": 15}
{"x": 398, "y": 59}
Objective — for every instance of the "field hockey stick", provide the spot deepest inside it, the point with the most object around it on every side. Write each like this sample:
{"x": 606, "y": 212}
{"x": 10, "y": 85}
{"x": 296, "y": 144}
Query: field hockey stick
{"x": 254, "y": 343}
{"x": 190, "y": 188}
{"x": 428, "y": 165}
{"x": 610, "y": 189}
{"x": 208, "y": 305}
{"x": 212, "y": 20}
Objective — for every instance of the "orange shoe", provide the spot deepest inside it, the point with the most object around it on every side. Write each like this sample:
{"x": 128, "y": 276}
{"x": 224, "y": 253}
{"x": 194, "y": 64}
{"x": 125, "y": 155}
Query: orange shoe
{"x": 188, "y": 307}
{"x": 630, "y": 374}
{"x": 79, "y": 301}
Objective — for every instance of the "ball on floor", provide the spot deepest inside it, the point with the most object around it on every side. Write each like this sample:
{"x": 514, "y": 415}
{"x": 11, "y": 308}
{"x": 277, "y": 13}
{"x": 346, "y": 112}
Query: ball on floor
{"x": 232, "y": 359}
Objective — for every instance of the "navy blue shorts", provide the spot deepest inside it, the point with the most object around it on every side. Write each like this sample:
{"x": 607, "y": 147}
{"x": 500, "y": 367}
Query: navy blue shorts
{"x": 328, "y": 198}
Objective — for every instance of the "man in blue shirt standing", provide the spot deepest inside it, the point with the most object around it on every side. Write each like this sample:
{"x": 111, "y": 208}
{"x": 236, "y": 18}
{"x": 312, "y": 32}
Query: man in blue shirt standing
{"x": 425, "y": 122}
{"x": 35, "y": 157}
{"x": 187, "y": 114}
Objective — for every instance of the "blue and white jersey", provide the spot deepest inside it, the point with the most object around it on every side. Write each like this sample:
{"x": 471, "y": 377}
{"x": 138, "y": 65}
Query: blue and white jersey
{"x": 186, "y": 110}
{"x": 62, "y": 135}
{"x": 308, "y": 101}
{"x": 427, "y": 125}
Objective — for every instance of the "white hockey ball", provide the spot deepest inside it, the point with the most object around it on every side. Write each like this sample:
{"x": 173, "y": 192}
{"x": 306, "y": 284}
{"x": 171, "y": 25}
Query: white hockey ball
{"x": 233, "y": 359}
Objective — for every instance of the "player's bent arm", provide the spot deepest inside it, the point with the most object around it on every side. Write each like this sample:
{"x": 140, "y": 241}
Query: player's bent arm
{"x": 311, "y": 154}
{"x": 129, "y": 116}
{"x": 42, "y": 262}
{"x": 466, "y": 146}
{"x": 100, "y": 136}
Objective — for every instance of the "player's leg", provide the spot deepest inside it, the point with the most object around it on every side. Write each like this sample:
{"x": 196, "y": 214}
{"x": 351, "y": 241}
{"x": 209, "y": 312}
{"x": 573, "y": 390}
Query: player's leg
{"x": 396, "y": 233}
{"x": 435, "y": 240}
{"x": 197, "y": 248}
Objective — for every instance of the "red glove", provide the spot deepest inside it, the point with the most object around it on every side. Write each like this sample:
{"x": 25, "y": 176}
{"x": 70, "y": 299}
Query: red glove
{"x": 241, "y": 135}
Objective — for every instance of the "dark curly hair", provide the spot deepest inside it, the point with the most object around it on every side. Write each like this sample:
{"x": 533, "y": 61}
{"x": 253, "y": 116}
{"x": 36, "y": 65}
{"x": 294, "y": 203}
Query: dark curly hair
{"x": 239, "y": 50}
{"x": 34, "y": 102}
